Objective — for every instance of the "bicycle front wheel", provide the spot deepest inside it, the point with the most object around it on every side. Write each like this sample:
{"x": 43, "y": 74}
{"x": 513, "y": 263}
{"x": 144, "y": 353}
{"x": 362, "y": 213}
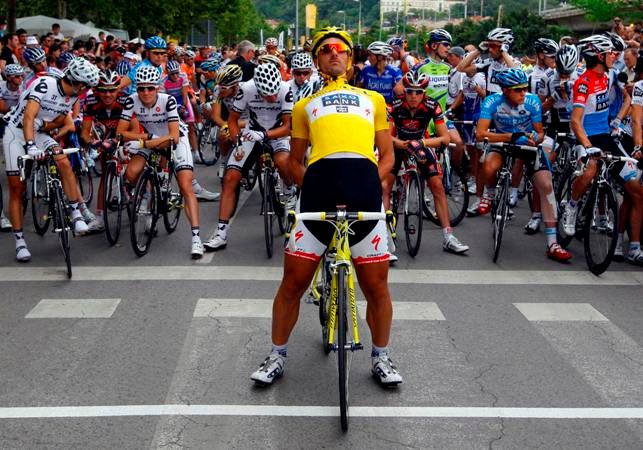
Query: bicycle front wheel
{"x": 268, "y": 208}
{"x": 86, "y": 185}
{"x": 208, "y": 144}
{"x": 601, "y": 222}
{"x": 114, "y": 202}
{"x": 499, "y": 216}
{"x": 342, "y": 353}
{"x": 457, "y": 192}
{"x": 40, "y": 201}
{"x": 172, "y": 202}
{"x": 413, "y": 213}
{"x": 563, "y": 196}
{"x": 324, "y": 287}
{"x": 144, "y": 214}
{"x": 62, "y": 226}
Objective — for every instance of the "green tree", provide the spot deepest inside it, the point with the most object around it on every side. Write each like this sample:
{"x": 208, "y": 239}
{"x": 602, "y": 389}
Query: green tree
{"x": 604, "y": 10}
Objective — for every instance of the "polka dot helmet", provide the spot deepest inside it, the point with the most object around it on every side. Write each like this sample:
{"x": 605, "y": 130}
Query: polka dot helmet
{"x": 267, "y": 79}
{"x": 148, "y": 74}
{"x": 301, "y": 61}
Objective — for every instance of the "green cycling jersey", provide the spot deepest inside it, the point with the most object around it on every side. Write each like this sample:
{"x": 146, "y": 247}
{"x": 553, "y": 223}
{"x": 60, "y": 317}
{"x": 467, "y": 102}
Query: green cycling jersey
{"x": 438, "y": 73}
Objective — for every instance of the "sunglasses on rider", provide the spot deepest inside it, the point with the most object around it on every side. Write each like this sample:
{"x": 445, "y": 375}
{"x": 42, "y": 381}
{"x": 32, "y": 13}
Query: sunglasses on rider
{"x": 414, "y": 91}
{"x": 107, "y": 89}
{"x": 145, "y": 88}
{"x": 446, "y": 44}
{"x": 494, "y": 44}
{"x": 519, "y": 88}
{"x": 158, "y": 52}
{"x": 301, "y": 73}
{"x": 339, "y": 47}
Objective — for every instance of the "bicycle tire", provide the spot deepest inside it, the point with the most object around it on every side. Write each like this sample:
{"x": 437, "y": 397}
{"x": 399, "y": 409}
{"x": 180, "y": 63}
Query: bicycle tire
{"x": 397, "y": 194}
{"x": 172, "y": 201}
{"x": 268, "y": 211}
{"x": 86, "y": 185}
{"x": 208, "y": 146}
{"x": 413, "y": 213}
{"x": 457, "y": 194}
{"x": 599, "y": 242}
{"x": 341, "y": 347}
{"x": 279, "y": 206}
{"x": 113, "y": 197}
{"x": 530, "y": 193}
{"x": 41, "y": 206}
{"x": 499, "y": 216}
{"x": 141, "y": 239}
{"x": 62, "y": 226}
{"x": 563, "y": 195}
{"x": 324, "y": 305}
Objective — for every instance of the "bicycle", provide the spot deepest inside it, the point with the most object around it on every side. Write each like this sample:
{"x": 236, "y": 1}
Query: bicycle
{"x": 47, "y": 192}
{"x": 409, "y": 193}
{"x": 597, "y": 219}
{"x": 500, "y": 204}
{"x": 81, "y": 165}
{"x": 454, "y": 182}
{"x": 208, "y": 144}
{"x": 272, "y": 204}
{"x": 115, "y": 196}
{"x": 156, "y": 193}
{"x": 337, "y": 298}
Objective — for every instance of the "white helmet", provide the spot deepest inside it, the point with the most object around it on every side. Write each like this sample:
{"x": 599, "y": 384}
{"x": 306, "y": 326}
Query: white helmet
{"x": 148, "y": 74}
{"x": 504, "y": 35}
{"x": 12, "y": 70}
{"x": 271, "y": 42}
{"x": 267, "y": 79}
{"x": 82, "y": 71}
{"x": 301, "y": 61}
{"x": 380, "y": 48}
{"x": 595, "y": 45}
{"x": 566, "y": 59}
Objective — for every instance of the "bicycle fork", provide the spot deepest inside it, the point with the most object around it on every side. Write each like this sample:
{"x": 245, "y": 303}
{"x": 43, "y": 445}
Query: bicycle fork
{"x": 355, "y": 344}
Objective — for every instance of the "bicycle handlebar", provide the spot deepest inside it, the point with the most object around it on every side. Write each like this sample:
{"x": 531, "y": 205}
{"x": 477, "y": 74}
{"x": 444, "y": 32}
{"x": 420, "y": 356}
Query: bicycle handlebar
{"x": 23, "y": 158}
{"x": 339, "y": 215}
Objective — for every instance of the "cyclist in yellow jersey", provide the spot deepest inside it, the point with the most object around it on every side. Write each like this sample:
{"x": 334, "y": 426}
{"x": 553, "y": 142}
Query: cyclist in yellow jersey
{"x": 341, "y": 123}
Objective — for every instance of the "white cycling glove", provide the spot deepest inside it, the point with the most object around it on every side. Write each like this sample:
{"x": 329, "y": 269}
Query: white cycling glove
{"x": 254, "y": 136}
{"x": 33, "y": 151}
{"x": 615, "y": 123}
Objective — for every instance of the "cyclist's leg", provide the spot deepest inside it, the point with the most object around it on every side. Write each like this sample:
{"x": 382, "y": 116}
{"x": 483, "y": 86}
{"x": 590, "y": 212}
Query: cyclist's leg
{"x": 281, "y": 151}
{"x": 184, "y": 176}
{"x": 137, "y": 162}
{"x": 457, "y": 152}
{"x": 492, "y": 163}
{"x": 389, "y": 181}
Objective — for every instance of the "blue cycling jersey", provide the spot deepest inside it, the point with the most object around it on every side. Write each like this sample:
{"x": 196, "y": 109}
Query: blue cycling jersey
{"x": 383, "y": 83}
{"x": 512, "y": 119}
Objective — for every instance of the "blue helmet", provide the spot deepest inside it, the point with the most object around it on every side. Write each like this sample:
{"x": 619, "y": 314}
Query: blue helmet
{"x": 396, "y": 42}
{"x": 510, "y": 78}
{"x": 210, "y": 65}
{"x": 173, "y": 66}
{"x": 155, "y": 43}
{"x": 123, "y": 67}
{"x": 34, "y": 55}
{"x": 64, "y": 59}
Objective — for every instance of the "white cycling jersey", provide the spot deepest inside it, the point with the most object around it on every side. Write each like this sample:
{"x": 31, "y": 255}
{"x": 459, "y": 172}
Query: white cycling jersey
{"x": 539, "y": 80}
{"x": 314, "y": 80}
{"x": 10, "y": 97}
{"x": 637, "y": 99}
{"x": 455, "y": 85}
{"x": 555, "y": 89}
{"x": 47, "y": 91}
{"x": 155, "y": 119}
{"x": 263, "y": 115}
{"x": 489, "y": 67}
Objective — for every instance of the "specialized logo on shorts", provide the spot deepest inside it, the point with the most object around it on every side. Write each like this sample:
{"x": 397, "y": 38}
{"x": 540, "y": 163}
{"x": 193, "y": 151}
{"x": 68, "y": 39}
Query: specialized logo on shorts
{"x": 376, "y": 241}
{"x": 340, "y": 99}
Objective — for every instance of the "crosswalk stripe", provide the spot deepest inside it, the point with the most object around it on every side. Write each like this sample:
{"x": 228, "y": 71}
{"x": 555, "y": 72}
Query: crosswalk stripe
{"x": 409, "y": 311}
{"x": 40, "y": 412}
{"x": 560, "y": 312}
{"x": 83, "y": 308}
{"x": 263, "y": 273}
{"x": 234, "y": 307}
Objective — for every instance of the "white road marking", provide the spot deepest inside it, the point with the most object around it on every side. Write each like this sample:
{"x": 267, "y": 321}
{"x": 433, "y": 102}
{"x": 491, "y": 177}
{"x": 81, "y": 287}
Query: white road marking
{"x": 550, "y": 312}
{"x": 409, "y": 311}
{"x": 243, "y": 198}
{"x": 262, "y": 273}
{"x": 84, "y": 308}
{"x": 47, "y": 412}
{"x": 234, "y": 307}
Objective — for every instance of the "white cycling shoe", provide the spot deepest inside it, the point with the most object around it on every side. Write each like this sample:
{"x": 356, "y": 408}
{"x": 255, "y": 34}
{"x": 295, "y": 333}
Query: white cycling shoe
{"x": 385, "y": 371}
{"x": 197, "y": 250}
{"x": 216, "y": 242}
{"x": 269, "y": 370}
{"x": 569, "y": 220}
{"x": 22, "y": 253}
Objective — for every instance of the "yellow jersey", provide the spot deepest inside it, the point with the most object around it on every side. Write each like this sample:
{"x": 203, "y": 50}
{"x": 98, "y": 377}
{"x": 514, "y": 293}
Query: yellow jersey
{"x": 340, "y": 118}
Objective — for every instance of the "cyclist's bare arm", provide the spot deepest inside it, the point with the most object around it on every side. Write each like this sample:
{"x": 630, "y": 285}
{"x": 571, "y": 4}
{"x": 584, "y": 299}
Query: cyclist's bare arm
{"x": 482, "y": 132}
{"x": 128, "y": 132}
{"x": 216, "y": 114}
{"x": 233, "y": 124}
{"x": 31, "y": 111}
{"x": 3, "y": 107}
{"x": 467, "y": 61}
{"x": 459, "y": 100}
{"x": 163, "y": 142}
{"x": 281, "y": 131}
{"x": 67, "y": 127}
{"x": 441, "y": 137}
{"x": 397, "y": 143}
{"x": 384, "y": 143}
{"x": 296, "y": 159}
{"x": 576, "y": 123}
{"x": 125, "y": 81}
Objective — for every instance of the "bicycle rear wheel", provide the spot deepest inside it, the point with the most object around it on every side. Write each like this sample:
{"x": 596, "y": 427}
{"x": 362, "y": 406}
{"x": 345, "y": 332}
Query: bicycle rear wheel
{"x": 413, "y": 213}
{"x": 499, "y": 215}
{"x": 601, "y": 222}
{"x": 62, "y": 226}
{"x": 86, "y": 185}
{"x": 144, "y": 214}
{"x": 40, "y": 200}
{"x": 455, "y": 187}
{"x": 172, "y": 202}
{"x": 113, "y": 197}
{"x": 342, "y": 353}
{"x": 268, "y": 209}
{"x": 208, "y": 144}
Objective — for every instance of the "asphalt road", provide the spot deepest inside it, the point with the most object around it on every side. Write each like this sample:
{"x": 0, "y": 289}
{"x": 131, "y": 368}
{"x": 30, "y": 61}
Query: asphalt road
{"x": 156, "y": 352}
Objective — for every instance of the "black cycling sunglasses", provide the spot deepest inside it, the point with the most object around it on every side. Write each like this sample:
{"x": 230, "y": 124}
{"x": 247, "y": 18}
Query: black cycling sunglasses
{"x": 145, "y": 88}
{"x": 414, "y": 91}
